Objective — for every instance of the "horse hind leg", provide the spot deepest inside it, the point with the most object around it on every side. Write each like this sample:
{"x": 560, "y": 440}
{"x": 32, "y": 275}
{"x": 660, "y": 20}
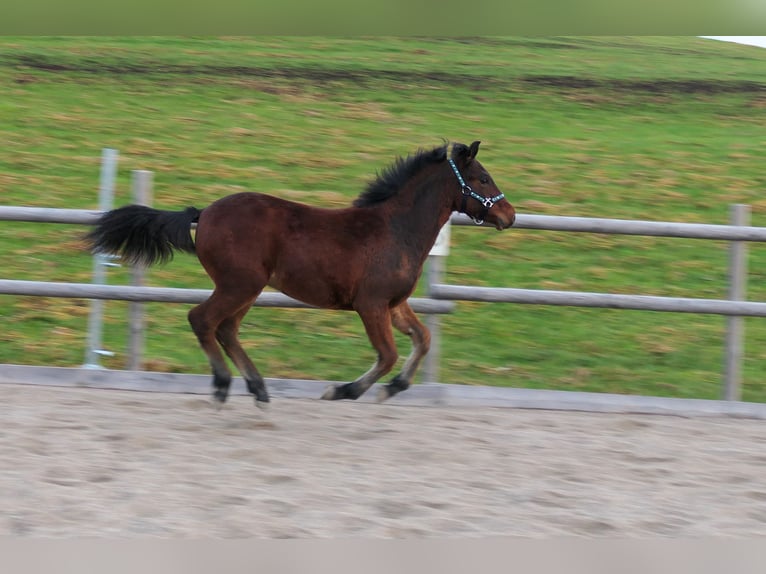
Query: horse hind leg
{"x": 377, "y": 323}
{"x": 212, "y": 321}
{"x": 204, "y": 326}
{"x": 227, "y": 335}
{"x": 405, "y": 320}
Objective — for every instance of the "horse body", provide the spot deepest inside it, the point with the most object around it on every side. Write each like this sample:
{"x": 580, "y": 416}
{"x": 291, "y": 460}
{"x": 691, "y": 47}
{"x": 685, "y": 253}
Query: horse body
{"x": 282, "y": 239}
{"x": 365, "y": 258}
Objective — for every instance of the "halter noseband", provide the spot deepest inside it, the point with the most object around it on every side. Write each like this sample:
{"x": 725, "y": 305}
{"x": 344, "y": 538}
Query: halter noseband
{"x": 487, "y": 202}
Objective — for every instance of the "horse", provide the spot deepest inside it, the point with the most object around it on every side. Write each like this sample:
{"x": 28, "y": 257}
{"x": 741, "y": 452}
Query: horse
{"x": 366, "y": 257}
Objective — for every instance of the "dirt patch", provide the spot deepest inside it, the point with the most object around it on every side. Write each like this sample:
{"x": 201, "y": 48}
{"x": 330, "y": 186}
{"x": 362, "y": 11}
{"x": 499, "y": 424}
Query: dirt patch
{"x": 319, "y": 75}
{"x": 96, "y": 463}
{"x": 690, "y": 86}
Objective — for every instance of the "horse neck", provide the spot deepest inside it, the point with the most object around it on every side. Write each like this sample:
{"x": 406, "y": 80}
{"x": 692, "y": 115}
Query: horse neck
{"x": 421, "y": 211}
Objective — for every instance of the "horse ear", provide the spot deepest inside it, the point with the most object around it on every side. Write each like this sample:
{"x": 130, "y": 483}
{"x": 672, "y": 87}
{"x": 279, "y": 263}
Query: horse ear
{"x": 473, "y": 150}
{"x": 464, "y": 152}
{"x": 461, "y": 152}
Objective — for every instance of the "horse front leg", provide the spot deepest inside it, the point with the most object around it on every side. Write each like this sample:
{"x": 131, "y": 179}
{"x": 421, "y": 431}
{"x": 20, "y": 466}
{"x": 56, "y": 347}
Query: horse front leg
{"x": 405, "y": 320}
{"x": 377, "y": 323}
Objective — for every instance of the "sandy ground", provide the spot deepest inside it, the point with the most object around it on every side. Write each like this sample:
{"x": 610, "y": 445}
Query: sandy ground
{"x": 77, "y": 462}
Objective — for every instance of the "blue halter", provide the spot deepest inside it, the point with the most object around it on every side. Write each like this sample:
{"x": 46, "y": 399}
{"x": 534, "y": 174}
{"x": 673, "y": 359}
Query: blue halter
{"x": 487, "y": 202}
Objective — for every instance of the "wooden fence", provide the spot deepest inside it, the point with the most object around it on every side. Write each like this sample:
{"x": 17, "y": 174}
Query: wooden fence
{"x": 441, "y": 296}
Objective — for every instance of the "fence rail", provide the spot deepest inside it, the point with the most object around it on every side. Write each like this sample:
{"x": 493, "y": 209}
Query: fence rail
{"x": 602, "y": 300}
{"x": 634, "y": 227}
{"x": 48, "y": 215}
{"x": 523, "y": 221}
{"x": 171, "y": 295}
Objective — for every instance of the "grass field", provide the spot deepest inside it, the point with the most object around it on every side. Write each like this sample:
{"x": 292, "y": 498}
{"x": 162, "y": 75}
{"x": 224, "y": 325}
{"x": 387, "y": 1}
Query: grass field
{"x": 641, "y": 128}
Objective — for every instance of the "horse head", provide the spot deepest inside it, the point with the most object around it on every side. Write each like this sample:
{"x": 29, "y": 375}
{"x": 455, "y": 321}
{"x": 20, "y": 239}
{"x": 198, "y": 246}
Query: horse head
{"x": 477, "y": 195}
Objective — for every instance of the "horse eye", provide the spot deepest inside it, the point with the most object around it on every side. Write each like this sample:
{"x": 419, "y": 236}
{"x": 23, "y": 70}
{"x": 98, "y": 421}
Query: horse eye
{"x": 484, "y": 179}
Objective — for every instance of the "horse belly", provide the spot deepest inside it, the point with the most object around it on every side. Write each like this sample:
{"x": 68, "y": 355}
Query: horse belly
{"x": 314, "y": 285}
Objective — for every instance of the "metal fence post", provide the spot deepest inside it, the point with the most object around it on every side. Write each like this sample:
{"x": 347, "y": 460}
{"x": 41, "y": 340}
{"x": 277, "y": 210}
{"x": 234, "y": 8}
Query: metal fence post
{"x": 735, "y": 324}
{"x": 100, "y": 262}
{"x": 435, "y": 276}
{"x": 142, "y": 195}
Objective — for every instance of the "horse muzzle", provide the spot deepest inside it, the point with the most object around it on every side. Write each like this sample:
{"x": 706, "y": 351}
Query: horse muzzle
{"x": 504, "y": 222}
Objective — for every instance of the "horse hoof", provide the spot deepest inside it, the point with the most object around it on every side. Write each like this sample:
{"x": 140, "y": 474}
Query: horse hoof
{"x": 215, "y": 404}
{"x": 383, "y": 394}
{"x": 345, "y": 391}
{"x": 330, "y": 393}
{"x": 220, "y": 396}
{"x": 263, "y": 405}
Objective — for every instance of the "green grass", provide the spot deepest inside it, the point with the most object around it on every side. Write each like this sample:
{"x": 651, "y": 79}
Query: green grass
{"x": 640, "y": 128}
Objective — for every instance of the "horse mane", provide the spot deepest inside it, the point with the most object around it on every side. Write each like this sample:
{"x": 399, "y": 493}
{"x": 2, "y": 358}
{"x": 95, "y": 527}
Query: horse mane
{"x": 392, "y": 178}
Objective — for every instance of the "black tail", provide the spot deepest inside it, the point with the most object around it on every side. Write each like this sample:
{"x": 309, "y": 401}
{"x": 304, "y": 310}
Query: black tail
{"x": 143, "y": 235}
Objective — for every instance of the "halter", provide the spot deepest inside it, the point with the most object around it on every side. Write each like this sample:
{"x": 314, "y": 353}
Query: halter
{"x": 487, "y": 202}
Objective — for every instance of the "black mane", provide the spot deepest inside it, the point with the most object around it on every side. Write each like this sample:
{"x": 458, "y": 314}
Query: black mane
{"x": 391, "y": 180}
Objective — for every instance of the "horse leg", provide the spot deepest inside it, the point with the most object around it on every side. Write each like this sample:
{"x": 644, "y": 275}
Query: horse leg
{"x": 227, "y": 335}
{"x": 405, "y": 320}
{"x": 205, "y": 319}
{"x": 377, "y": 323}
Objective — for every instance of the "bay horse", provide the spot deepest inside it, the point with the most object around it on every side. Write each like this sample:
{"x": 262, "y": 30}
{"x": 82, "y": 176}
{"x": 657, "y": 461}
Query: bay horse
{"x": 366, "y": 258}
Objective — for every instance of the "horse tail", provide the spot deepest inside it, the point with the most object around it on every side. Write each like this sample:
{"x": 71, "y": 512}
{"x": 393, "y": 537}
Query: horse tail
{"x": 143, "y": 235}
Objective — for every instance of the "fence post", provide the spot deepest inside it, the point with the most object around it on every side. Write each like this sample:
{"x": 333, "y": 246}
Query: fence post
{"x": 735, "y": 325}
{"x": 100, "y": 261}
{"x": 142, "y": 195}
{"x": 435, "y": 275}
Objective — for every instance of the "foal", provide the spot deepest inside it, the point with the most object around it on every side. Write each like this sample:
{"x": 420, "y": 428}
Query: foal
{"x": 365, "y": 258}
